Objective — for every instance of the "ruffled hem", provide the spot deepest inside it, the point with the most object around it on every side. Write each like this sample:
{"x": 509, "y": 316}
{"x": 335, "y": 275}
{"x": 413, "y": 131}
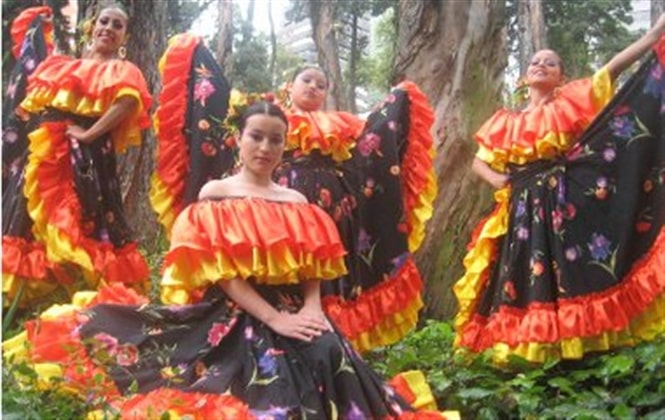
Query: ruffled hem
{"x": 172, "y": 161}
{"x": 331, "y": 133}
{"x": 520, "y": 137}
{"x": 633, "y": 310}
{"x": 417, "y": 168}
{"x": 173, "y": 403}
{"x": 55, "y": 209}
{"x": 22, "y": 23}
{"x": 414, "y": 389}
{"x": 88, "y": 88}
{"x": 26, "y": 270}
{"x": 267, "y": 241}
{"x": 56, "y": 353}
{"x": 381, "y": 315}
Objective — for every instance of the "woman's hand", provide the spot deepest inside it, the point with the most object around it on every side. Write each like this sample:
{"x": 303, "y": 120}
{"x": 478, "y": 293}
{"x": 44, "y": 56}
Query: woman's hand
{"x": 79, "y": 133}
{"x": 301, "y": 325}
{"x": 496, "y": 179}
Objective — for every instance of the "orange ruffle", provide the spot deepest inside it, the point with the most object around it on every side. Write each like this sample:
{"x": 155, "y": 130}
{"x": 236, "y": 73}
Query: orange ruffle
{"x": 172, "y": 160}
{"x": 56, "y": 351}
{"x": 22, "y": 23}
{"x": 417, "y": 168}
{"x": 632, "y": 310}
{"x": 88, "y": 88}
{"x": 519, "y": 137}
{"x": 332, "y": 133}
{"x": 176, "y": 404}
{"x": 383, "y": 314}
{"x": 267, "y": 241}
{"x": 55, "y": 209}
{"x": 25, "y": 261}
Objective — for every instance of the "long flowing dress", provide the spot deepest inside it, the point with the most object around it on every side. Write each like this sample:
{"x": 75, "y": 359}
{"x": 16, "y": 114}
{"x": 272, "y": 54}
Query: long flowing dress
{"x": 374, "y": 177}
{"x": 141, "y": 358}
{"x": 73, "y": 189}
{"x": 26, "y": 272}
{"x": 571, "y": 259}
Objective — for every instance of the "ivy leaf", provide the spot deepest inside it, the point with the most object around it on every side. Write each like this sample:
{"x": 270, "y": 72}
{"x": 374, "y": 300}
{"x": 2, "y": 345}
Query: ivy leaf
{"x": 474, "y": 393}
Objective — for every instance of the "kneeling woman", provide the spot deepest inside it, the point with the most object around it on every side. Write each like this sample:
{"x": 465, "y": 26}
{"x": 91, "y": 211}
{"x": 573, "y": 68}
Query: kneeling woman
{"x": 249, "y": 257}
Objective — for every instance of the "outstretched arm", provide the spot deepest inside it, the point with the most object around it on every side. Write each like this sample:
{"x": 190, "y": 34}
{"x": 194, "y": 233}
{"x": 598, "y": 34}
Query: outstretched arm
{"x": 301, "y": 325}
{"x": 117, "y": 112}
{"x": 489, "y": 175}
{"x": 631, "y": 53}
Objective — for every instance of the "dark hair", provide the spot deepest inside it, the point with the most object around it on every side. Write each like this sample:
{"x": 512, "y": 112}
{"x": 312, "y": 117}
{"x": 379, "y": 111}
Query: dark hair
{"x": 262, "y": 108}
{"x": 305, "y": 67}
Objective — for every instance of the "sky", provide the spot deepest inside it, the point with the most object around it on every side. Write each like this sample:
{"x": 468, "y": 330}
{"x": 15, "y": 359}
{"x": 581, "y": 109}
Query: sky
{"x": 205, "y": 25}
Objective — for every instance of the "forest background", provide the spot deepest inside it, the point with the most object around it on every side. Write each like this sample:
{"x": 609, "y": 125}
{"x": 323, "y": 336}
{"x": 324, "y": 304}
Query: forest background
{"x": 466, "y": 56}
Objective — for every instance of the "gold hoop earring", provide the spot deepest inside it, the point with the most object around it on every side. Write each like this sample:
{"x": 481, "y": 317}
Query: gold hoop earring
{"x": 90, "y": 44}
{"x": 122, "y": 52}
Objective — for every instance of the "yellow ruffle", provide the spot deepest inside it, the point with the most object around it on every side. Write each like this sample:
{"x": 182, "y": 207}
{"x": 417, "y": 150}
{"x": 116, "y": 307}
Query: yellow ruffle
{"x": 41, "y": 149}
{"x": 422, "y": 213}
{"x": 279, "y": 266}
{"x": 511, "y": 137}
{"x": 478, "y": 259}
{"x": 390, "y": 330}
{"x": 646, "y": 327}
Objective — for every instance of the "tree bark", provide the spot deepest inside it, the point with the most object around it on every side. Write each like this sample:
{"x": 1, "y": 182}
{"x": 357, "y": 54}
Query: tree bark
{"x": 532, "y": 30}
{"x": 225, "y": 34}
{"x": 322, "y": 15}
{"x": 147, "y": 41}
{"x": 657, "y": 9}
{"x": 456, "y": 52}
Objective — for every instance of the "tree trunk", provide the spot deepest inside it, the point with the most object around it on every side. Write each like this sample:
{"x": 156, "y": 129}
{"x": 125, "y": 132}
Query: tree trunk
{"x": 147, "y": 41}
{"x": 532, "y": 30}
{"x": 322, "y": 15}
{"x": 456, "y": 52}
{"x": 225, "y": 34}
{"x": 273, "y": 45}
{"x": 353, "y": 62}
{"x": 657, "y": 9}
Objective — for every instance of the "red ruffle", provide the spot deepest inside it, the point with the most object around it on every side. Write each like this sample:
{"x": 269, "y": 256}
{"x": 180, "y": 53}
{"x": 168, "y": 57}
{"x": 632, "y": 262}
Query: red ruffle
{"x": 417, "y": 168}
{"x": 172, "y": 160}
{"x": 659, "y": 50}
{"x": 26, "y": 259}
{"x": 85, "y": 87}
{"x": 332, "y": 133}
{"x": 365, "y": 314}
{"x": 165, "y": 402}
{"x": 238, "y": 227}
{"x": 510, "y": 132}
{"x": 586, "y": 316}
{"x": 56, "y": 204}
{"x": 21, "y": 24}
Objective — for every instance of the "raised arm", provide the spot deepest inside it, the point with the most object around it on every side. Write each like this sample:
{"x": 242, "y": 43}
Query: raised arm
{"x": 117, "y": 112}
{"x": 631, "y": 53}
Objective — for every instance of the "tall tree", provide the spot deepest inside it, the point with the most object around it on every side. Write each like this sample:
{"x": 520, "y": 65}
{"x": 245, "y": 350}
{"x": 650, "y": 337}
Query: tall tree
{"x": 657, "y": 9}
{"x": 322, "y": 16}
{"x": 456, "y": 52}
{"x": 224, "y": 48}
{"x": 532, "y": 31}
{"x": 587, "y": 34}
{"x": 182, "y": 13}
{"x": 147, "y": 40}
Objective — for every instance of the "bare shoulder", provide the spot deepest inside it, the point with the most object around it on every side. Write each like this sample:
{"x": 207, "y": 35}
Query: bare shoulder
{"x": 292, "y": 195}
{"x": 215, "y": 189}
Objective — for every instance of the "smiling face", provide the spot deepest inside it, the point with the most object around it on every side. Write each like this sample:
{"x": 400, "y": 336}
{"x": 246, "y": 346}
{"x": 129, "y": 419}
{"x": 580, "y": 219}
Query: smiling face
{"x": 545, "y": 70}
{"x": 109, "y": 32}
{"x": 262, "y": 143}
{"x": 308, "y": 90}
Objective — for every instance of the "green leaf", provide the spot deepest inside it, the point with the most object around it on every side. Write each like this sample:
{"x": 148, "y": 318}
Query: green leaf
{"x": 623, "y": 411}
{"x": 474, "y": 393}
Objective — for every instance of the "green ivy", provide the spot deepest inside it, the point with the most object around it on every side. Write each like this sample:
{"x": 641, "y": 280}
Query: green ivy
{"x": 627, "y": 383}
